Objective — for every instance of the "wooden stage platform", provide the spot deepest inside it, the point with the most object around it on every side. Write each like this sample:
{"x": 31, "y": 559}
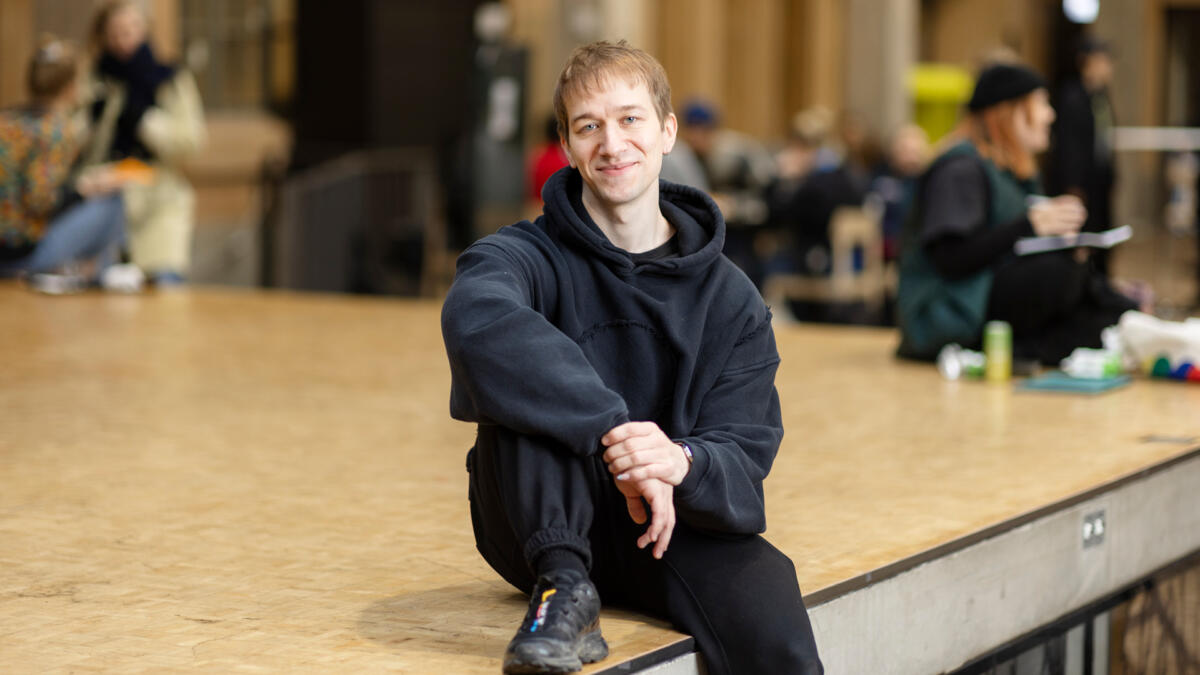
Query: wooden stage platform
{"x": 233, "y": 481}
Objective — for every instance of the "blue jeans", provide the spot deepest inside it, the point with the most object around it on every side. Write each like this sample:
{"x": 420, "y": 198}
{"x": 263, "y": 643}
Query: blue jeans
{"x": 91, "y": 229}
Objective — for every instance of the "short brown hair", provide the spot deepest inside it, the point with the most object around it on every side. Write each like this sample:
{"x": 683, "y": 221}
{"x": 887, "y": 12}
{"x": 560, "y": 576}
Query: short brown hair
{"x": 590, "y": 66}
{"x": 53, "y": 67}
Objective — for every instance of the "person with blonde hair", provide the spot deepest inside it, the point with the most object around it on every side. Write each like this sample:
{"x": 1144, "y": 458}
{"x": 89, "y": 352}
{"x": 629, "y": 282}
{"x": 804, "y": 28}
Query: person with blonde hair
{"x": 621, "y": 372}
{"x": 145, "y": 110}
{"x": 958, "y": 268}
{"x": 51, "y": 219}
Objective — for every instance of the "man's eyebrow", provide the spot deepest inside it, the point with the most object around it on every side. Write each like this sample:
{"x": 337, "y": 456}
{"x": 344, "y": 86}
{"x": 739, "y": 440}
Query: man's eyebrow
{"x": 636, "y": 107}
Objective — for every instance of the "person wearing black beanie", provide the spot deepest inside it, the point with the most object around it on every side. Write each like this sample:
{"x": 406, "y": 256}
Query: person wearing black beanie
{"x": 958, "y": 268}
{"x": 1003, "y": 82}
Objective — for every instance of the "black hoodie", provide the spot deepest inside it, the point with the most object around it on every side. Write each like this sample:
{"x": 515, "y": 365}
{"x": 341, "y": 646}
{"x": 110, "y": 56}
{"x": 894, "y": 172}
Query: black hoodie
{"x": 551, "y": 330}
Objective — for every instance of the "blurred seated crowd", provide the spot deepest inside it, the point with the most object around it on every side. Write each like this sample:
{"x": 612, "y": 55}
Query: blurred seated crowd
{"x": 938, "y": 255}
{"x": 91, "y": 193}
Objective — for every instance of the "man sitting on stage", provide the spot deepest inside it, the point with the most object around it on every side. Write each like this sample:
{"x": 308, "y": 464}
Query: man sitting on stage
{"x": 617, "y": 305}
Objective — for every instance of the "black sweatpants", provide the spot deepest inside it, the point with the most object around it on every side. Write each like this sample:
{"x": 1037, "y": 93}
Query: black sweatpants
{"x": 736, "y": 595}
{"x": 1054, "y": 304}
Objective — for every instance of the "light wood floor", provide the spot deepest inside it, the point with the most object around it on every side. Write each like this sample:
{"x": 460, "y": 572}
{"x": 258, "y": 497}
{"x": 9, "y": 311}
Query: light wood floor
{"x": 241, "y": 481}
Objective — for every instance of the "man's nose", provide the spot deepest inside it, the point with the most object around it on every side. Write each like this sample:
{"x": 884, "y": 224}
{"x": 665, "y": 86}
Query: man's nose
{"x": 613, "y": 140}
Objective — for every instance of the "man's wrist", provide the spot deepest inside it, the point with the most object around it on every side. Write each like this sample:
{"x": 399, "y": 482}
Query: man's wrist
{"x": 687, "y": 452}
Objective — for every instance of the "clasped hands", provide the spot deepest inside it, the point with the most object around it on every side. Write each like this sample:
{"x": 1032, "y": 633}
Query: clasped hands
{"x": 646, "y": 464}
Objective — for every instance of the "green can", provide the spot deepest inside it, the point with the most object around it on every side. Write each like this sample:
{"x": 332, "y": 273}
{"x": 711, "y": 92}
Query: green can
{"x": 997, "y": 347}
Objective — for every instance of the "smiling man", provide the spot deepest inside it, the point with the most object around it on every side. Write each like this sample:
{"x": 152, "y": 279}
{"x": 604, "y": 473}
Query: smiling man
{"x": 621, "y": 373}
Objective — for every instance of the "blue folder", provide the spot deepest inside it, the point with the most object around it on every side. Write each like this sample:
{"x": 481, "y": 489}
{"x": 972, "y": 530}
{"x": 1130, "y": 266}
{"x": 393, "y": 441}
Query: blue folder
{"x": 1057, "y": 380}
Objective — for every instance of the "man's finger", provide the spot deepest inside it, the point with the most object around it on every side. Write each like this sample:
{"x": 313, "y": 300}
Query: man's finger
{"x": 627, "y": 430}
{"x": 664, "y": 539}
{"x": 660, "y": 513}
{"x": 646, "y": 471}
{"x": 617, "y": 451}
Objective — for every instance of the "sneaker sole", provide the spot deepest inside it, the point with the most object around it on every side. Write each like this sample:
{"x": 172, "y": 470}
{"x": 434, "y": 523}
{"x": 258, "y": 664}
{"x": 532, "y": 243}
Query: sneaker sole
{"x": 591, "y": 648}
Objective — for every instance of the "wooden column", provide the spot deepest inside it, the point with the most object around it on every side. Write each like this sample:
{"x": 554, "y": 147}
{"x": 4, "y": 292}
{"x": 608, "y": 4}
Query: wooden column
{"x": 691, "y": 46}
{"x": 814, "y": 54}
{"x": 633, "y": 20}
{"x": 880, "y": 48}
{"x": 16, "y": 45}
{"x": 754, "y": 96}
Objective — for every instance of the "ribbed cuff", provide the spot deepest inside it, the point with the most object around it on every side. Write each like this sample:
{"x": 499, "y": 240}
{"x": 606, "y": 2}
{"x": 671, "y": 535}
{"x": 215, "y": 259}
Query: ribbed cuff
{"x": 543, "y": 540}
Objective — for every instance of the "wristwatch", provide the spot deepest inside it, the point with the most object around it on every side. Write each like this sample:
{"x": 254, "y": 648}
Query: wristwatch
{"x": 687, "y": 451}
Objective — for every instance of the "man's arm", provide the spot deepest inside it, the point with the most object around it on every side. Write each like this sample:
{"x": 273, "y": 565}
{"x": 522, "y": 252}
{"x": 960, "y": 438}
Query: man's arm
{"x": 510, "y": 366}
{"x": 734, "y": 443}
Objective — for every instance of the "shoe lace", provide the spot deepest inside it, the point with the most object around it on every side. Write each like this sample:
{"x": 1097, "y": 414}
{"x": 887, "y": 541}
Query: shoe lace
{"x": 553, "y": 605}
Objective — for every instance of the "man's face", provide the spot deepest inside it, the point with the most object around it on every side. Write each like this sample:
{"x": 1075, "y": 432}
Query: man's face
{"x": 616, "y": 140}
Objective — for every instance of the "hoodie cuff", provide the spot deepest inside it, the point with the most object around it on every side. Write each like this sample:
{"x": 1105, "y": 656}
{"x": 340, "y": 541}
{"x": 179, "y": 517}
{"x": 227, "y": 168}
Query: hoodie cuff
{"x": 596, "y": 447}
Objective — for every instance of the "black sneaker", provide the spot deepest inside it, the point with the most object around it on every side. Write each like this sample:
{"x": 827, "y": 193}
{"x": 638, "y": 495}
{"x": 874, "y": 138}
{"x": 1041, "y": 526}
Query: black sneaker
{"x": 561, "y": 631}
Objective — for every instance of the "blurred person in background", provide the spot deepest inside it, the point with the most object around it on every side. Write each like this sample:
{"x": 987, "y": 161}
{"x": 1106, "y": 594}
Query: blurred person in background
{"x": 957, "y": 267}
{"x": 546, "y": 159}
{"x": 1081, "y": 161}
{"x": 145, "y": 110}
{"x": 682, "y": 167}
{"x": 857, "y": 148}
{"x": 738, "y": 170}
{"x": 803, "y": 198}
{"x": 894, "y": 182}
{"x": 53, "y": 223}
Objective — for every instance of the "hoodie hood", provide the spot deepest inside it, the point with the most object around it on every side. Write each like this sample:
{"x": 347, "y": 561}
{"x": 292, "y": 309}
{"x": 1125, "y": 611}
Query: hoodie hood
{"x": 699, "y": 226}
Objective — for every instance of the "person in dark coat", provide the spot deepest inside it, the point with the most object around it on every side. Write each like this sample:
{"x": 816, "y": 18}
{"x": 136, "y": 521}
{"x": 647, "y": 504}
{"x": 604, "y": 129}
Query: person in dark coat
{"x": 1081, "y": 160}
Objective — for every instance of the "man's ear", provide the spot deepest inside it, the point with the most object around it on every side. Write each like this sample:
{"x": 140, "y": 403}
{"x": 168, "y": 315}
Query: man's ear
{"x": 562, "y": 141}
{"x": 670, "y": 131}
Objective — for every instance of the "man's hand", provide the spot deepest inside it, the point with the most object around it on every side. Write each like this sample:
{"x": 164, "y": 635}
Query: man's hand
{"x": 640, "y": 450}
{"x": 662, "y": 511}
{"x": 647, "y": 465}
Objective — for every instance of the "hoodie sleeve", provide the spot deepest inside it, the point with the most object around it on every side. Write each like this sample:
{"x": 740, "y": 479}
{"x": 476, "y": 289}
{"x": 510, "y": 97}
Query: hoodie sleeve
{"x": 735, "y": 440}
{"x": 510, "y": 366}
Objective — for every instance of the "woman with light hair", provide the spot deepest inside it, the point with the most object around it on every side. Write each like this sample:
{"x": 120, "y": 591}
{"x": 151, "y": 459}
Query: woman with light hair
{"x": 958, "y": 268}
{"x": 145, "y": 110}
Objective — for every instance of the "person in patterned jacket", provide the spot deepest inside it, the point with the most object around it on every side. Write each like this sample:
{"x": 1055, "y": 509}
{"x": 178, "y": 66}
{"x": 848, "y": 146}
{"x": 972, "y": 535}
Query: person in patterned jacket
{"x": 51, "y": 219}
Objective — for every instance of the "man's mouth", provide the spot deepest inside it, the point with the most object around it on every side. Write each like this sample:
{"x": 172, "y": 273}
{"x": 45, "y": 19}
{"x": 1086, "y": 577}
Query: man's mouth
{"x": 613, "y": 169}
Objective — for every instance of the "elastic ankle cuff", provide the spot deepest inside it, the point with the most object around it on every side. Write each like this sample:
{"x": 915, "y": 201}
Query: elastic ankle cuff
{"x": 543, "y": 540}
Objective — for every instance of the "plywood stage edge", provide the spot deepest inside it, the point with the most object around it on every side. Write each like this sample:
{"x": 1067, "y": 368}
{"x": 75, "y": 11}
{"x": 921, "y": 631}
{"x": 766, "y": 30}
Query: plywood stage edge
{"x": 237, "y": 480}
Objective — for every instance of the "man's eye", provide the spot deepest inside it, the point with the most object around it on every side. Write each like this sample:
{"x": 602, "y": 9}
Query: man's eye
{"x": 588, "y": 127}
{"x": 630, "y": 119}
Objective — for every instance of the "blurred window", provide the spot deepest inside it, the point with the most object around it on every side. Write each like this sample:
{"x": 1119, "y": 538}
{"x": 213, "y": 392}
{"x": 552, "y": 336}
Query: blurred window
{"x": 242, "y": 51}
